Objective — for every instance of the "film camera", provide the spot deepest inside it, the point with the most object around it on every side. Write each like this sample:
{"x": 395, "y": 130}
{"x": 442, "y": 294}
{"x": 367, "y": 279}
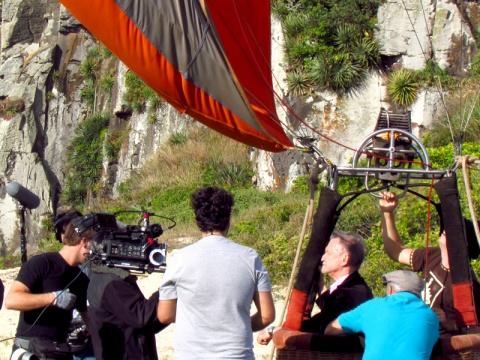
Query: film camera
{"x": 132, "y": 247}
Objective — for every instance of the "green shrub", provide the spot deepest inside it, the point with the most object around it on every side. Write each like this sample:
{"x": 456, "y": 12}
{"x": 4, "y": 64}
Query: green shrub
{"x": 89, "y": 68}
{"x": 219, "y": 173}
{"x": 432, "y": 75}
{"x": 442, "y": 157}
{"x": 10, "y": 261}
{"x": 365, "y": 51}
{"x": 138, "y": 93}
{"x": 49, "y": 244}
{"x": 84, "y": 158}
{"x": 47, "y": 222}
{"x": 329, "y": 42}
{"x": 106, "y": 53}
{"x": 88, "y": 92}
{"x": 298, "y": 83}
{"x": 178, "y": 139}
{"x": 108, "y": 80}
{"x": 300, "y": 186}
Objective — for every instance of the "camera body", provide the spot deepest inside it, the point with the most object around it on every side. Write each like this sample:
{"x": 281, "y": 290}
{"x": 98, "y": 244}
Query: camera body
{"x": 132, "y": 247}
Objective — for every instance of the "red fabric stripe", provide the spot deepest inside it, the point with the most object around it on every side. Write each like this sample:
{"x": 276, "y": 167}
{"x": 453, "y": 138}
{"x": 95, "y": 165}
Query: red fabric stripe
{"x": 296, "y": 308}
{"x": 464, "y": 305}
{"x": 246, "y": 37}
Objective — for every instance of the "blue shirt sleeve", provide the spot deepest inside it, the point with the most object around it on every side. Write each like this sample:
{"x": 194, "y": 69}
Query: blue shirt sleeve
{"x": 353, "y": 320}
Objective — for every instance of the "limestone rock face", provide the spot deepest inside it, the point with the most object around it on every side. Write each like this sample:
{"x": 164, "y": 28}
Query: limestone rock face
{"x": 413, "y": 32}
{"x": 40, "y": 66}
{"x": 42, "y": 48}
{"x": 410, "y": 33}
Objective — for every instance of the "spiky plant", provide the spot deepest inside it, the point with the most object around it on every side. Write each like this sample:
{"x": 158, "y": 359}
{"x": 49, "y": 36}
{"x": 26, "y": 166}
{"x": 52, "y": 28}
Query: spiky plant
{"x": 346, "y": 74}
{"x": 108, "y": 80}
{"x": 298, "y": 83}
{"x": 403, "y": 87}
{"x": 346, "y": 37}
{"x": 320, "y": 71}
{"x": 89, "y": 68}
{"x": 295, "y": 23}
{"x": 366, "y": 52}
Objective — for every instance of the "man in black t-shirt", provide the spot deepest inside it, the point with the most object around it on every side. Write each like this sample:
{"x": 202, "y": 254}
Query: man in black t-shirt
{"x": 47, "y": 287}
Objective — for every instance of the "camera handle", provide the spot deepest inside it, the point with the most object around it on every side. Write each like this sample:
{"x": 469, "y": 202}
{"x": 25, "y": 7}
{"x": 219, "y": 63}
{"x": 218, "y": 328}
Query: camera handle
{"x": 146, "y": 220}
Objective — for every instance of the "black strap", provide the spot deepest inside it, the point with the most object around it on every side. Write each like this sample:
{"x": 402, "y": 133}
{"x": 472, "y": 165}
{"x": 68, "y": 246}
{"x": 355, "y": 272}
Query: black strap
{"x": 323, "y": 224}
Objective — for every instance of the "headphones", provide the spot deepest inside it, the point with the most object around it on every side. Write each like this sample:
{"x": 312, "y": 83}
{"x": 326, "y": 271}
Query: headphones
{"x": 63, "y": 221}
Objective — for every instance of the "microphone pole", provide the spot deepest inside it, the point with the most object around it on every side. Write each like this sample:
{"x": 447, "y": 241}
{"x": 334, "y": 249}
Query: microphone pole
{"x": 26, "y": 200}
{"x": 23, "y": 238}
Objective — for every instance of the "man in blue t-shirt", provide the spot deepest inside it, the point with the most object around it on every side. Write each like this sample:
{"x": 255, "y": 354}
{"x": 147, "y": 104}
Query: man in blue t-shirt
{"x": 399, "y": 326}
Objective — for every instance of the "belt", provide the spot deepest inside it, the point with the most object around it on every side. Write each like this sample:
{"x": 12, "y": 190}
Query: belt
{"x": 25, "y": 344}
{"x": 21, "y": 343}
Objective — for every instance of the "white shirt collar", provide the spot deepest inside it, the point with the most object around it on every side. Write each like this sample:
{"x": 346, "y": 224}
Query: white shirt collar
{"x": 337, "y": 283}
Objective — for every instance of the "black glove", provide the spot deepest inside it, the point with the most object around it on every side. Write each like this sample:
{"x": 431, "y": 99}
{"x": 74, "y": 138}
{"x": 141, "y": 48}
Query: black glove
{"x": 64, "y": 299}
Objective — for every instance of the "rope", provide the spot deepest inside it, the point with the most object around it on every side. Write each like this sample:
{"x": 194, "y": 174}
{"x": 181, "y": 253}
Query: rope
{"x": 313, "y": 186}
{"x": 468, "y": 160}
{"x": 469, "y": 196}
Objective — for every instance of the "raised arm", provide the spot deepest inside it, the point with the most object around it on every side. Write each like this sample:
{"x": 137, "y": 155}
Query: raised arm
{"x": 265, "y": 310}
{"x": 392, "y": 243}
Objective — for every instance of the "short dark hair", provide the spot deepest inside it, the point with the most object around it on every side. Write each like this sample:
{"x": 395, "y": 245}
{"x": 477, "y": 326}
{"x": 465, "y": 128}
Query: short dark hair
{"x": 63, "y": 220}
{"x": 72, "y": 238}
{"x": 212, "y": 207}
{"x": 354, "y": 245}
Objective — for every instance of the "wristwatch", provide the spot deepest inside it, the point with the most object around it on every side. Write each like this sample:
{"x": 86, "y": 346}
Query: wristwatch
{"x": 270, "y": 329}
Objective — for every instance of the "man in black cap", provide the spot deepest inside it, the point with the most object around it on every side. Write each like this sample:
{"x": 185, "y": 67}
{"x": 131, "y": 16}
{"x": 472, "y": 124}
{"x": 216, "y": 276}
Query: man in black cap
{"x": 399, "y": 326}
{"x": 438, "y": 292}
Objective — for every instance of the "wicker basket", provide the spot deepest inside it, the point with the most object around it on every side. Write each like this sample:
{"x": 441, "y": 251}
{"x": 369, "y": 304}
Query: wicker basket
{"x": 315, "y": 355}
{"x": 292, "y": 345}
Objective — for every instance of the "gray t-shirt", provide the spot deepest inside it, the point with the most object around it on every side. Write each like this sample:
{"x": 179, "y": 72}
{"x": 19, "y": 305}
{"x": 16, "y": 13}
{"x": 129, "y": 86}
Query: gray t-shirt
{"x": 214, "y": 281}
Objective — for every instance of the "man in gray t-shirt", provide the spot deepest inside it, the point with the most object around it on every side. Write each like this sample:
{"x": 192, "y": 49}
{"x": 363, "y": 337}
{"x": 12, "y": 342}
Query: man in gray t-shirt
{"x": 209, "y": 287}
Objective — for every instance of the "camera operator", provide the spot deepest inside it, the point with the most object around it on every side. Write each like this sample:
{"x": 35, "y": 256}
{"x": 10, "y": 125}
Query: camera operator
{"x": 78, "y": 337}
{"x": 123, "y": 323}
{"x": 47, "y": 288}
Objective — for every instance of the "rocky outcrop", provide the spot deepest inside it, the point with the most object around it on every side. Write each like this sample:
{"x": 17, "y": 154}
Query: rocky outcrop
{"x": 43, "y": 46}
{"x": 39, "y": 66}
{"x": 410, "y": 33}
